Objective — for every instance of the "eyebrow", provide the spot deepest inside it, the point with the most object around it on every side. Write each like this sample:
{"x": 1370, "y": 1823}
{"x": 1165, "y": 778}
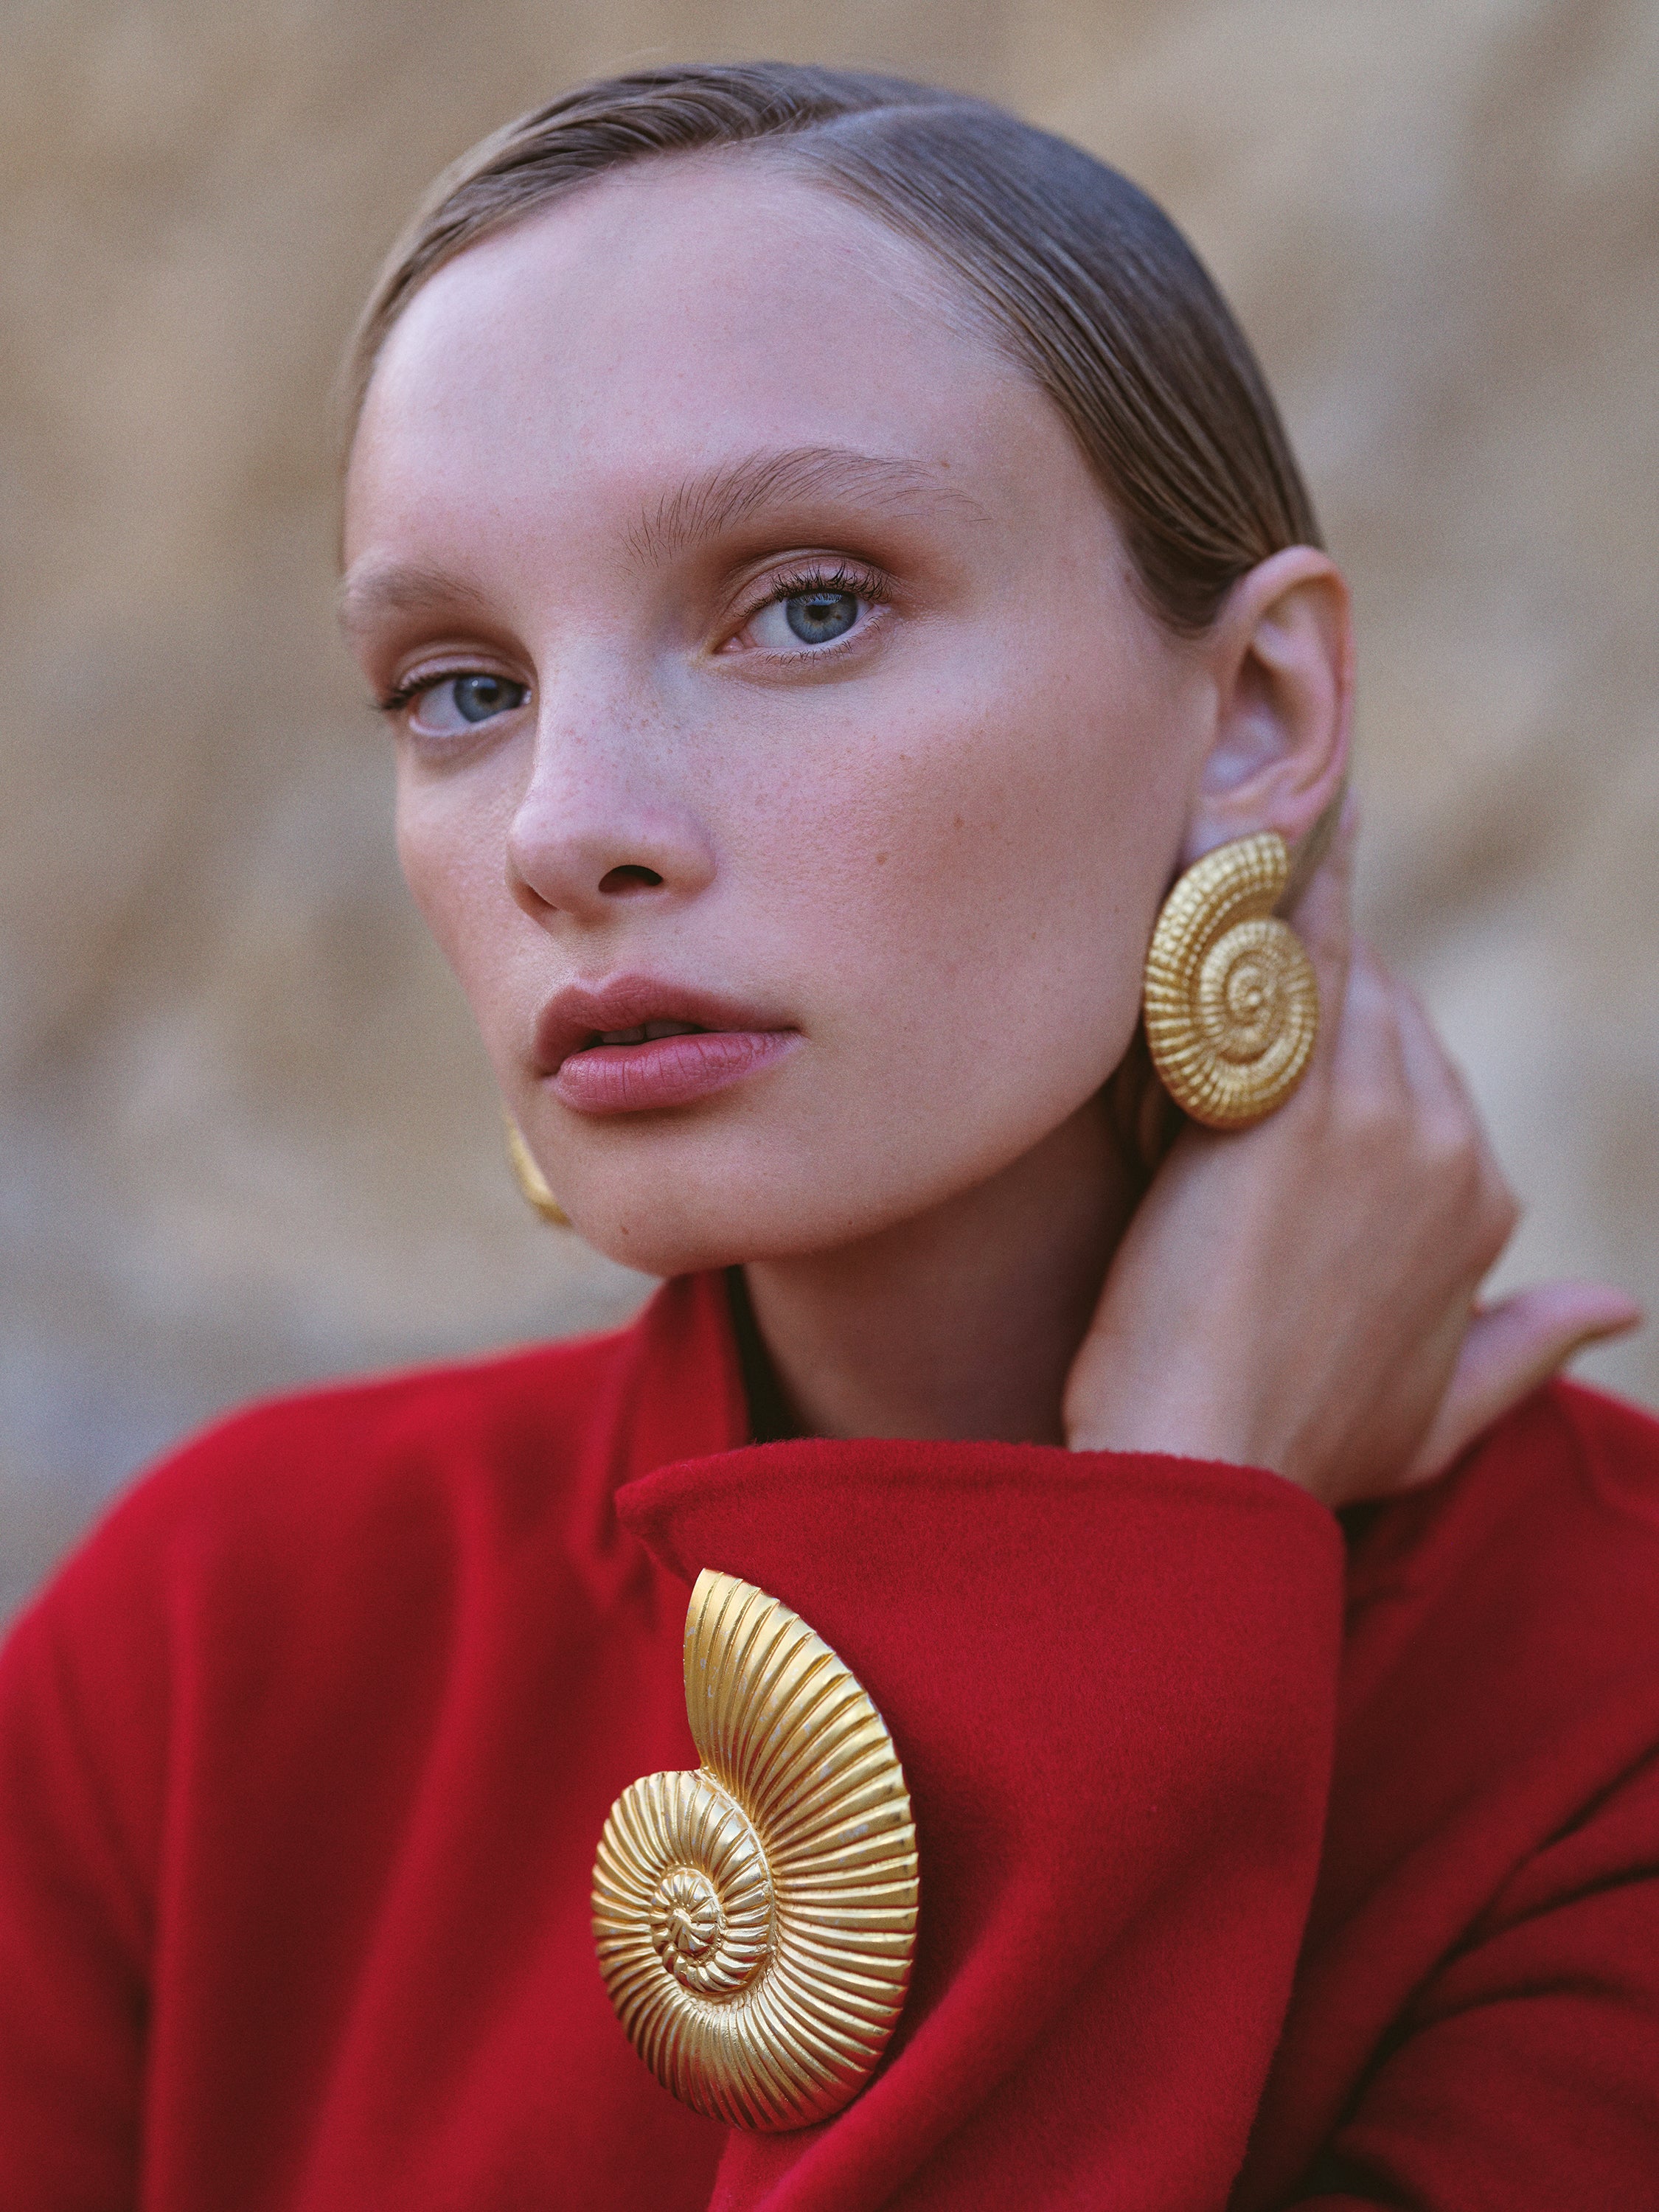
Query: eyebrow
{"x": 722, "y": 499}
{"x": 400, "y": 589}
{"x": 701, "y": 507}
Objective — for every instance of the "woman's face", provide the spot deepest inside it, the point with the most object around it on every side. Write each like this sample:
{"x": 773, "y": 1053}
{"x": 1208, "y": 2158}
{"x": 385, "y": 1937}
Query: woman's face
{"x": 774, "y": 703}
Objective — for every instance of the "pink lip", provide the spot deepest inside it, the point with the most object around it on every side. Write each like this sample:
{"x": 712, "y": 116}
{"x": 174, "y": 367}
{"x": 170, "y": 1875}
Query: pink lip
{"x": 729, "y": 1043}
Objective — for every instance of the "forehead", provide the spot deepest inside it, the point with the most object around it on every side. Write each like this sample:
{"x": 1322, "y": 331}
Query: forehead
{"x": 672, "y": 315}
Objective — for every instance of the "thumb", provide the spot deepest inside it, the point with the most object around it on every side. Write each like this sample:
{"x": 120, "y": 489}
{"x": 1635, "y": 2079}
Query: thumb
{"x": 1509, "y": 1349}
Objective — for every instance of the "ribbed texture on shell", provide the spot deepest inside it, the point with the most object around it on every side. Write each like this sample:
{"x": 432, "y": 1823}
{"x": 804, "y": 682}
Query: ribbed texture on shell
{"x": 755, "y": 1921}
{"x": 1231, "y": 1005}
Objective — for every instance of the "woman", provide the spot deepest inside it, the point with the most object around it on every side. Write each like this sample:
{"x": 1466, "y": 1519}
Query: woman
{"x": 830, "y": 565}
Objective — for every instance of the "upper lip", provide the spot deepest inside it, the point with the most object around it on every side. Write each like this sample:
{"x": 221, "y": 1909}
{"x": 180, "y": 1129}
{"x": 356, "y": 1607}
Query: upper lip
{"x": 577, "y": 1015}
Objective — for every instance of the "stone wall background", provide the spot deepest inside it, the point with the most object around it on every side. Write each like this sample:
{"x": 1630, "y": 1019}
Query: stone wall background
{"x": 248, "y": 1139}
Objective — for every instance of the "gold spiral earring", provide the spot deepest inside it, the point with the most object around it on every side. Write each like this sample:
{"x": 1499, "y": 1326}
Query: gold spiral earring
{"x": 755, "y": 1921}
{"x": 1231, "y": 1005}
{"x": 533, "y": 1185}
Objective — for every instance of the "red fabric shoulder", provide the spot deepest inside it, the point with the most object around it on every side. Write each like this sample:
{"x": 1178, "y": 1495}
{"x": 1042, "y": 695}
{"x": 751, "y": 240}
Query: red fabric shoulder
{"x": 310, "y": 1478}
{"x": 1616, "y": 1449}
{"x": 1548, "y": 1526}
{"x": 252, "y": 1570}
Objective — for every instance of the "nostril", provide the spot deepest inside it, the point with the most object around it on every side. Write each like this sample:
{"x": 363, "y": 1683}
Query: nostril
{"x": 616, "y": 883}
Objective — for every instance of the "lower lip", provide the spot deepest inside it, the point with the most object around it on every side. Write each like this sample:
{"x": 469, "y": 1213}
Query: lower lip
{"x": 672, "y": 1071}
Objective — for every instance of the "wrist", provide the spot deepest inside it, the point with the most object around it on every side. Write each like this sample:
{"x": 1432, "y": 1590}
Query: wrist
{"x": 1179, "y": 1431}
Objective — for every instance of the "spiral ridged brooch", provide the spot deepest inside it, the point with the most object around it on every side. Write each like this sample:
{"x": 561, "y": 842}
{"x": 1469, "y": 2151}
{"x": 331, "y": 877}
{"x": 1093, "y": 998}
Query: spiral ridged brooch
{"x": 755, "y": 1921}
{"x": 1231, "y": 1005}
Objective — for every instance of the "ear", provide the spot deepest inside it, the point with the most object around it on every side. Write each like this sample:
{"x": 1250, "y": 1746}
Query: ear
{"x": 1280, "y": 656}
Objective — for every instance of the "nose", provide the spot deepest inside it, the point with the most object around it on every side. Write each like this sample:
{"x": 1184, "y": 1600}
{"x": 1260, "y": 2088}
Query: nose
{"x": 603, "y": 823}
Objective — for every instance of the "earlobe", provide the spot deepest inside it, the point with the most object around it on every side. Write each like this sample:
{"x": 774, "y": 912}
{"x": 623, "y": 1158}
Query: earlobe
{"x": 1281, "y": 656}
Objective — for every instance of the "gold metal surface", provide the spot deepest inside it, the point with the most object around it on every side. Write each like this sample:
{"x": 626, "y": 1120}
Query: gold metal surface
{"x": 536, "y": 1190}
{"x": 1231, "y": 1005}
{"x": 755, "y": 1921}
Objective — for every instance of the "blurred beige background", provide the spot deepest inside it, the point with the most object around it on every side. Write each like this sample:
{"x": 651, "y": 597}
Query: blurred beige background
{"x": 248, "y": 1136}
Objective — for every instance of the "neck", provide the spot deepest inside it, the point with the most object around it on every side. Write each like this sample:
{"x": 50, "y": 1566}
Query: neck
{"x": 963, "y": 1321}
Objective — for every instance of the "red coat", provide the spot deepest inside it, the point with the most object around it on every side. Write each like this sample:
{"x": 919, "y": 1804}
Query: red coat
{"x": 304, "y": 1757}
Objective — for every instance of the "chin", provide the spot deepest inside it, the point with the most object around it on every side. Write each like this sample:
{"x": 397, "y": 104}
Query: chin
{"x": 691, "y": 1223}
{"x": 637, "y": 1238}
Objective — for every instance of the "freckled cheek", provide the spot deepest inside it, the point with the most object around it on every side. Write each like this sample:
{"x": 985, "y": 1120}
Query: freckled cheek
{"x": 456, "y": 874}
{"x": 955, "y": 865}
{"x": 862, "y": 844}
{"x": 431, "y": 865}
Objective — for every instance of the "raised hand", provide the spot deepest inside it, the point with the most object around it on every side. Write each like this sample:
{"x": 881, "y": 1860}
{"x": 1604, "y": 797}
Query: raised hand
{"x": 1302, "y": 1295}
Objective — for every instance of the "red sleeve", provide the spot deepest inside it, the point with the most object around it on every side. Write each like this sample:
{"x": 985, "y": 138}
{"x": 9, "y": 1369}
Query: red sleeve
{"x": 1476, "y": 2016}
{"x": 1525, "y": 2072}
{"x": 1112, "y": 1682}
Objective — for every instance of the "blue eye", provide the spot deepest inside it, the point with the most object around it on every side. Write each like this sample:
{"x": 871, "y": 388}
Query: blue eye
{"x": 479, "y": 698}
{"x": 454, "y": 705}
{"x": 815, "y": 618}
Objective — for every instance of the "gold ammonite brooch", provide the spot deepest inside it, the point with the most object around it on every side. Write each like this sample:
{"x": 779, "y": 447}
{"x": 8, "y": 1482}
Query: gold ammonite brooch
{"x": 755, "y": 1921}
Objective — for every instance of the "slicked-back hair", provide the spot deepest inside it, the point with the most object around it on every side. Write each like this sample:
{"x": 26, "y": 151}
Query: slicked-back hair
{"x": 1083, "y": 280}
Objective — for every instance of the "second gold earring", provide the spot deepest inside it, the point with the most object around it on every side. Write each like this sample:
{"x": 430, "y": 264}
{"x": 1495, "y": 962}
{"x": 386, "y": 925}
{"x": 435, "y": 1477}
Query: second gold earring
{"x": 1231, "y": 1005}
{"x": 533, "y": 1185}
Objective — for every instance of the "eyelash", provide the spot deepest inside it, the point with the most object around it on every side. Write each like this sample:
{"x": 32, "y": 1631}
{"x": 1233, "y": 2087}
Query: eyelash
{"x": 405, "y": 694}
{"x": 858, "y": 584}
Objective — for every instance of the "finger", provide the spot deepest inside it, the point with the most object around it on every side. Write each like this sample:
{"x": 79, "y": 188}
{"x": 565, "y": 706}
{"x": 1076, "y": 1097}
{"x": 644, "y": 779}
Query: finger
{"x": 1322, "y": 918}
{"x": 1443, "y": 1100}
{"x": 1430, "y": 1069}
{"x": 1335, "y": 864}
{"x": 1508, "y": 1349}
{"x": 1438, "y": 1083}
{"x": 1393, "y": 1056}
{"x": 1366, "y": 1061}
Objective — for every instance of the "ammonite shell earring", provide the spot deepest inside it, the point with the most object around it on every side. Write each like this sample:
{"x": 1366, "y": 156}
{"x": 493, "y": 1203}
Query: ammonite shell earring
{"x": 1231, "y": 1005}
{"x": 755, "y": 1921}
{"x": 533, "y": 1185}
